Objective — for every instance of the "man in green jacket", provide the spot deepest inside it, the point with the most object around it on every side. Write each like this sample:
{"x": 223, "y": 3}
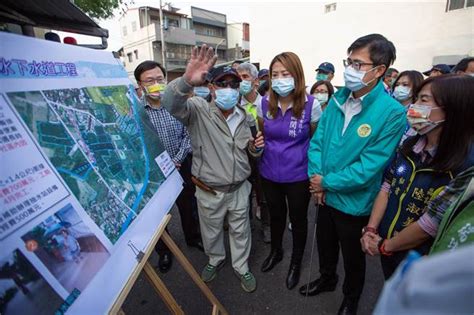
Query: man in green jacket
{"x": 356, "y": 137}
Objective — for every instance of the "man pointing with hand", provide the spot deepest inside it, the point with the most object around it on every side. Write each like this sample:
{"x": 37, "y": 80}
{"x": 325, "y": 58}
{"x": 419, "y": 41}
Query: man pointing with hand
{"x": 220, "y": 134}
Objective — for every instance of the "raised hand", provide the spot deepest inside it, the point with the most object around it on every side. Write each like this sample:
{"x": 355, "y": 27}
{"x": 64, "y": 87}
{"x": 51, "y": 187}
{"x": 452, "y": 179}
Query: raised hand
{"x": 202, "y": 60}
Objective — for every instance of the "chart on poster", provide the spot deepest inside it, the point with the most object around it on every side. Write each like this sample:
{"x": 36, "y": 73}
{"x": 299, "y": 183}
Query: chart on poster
{"x": 83, "y": 177}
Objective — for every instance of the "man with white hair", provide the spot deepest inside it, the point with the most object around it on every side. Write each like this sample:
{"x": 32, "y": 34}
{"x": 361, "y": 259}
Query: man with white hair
{"x": 250, "y": 100}
{"x": 248, "y": 88}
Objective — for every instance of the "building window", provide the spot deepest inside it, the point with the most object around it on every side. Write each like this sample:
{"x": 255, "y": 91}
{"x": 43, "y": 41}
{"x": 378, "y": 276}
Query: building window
{"x": 129, "y": 55}
{"x": 459, "y": 4}
{"x": 135, "y": 52}
{"x": 208, "y": 31}
{"x": 134, "y": 26}
{"x": 172, "y": 23}
{"x": 124, "y": 30}
{"x": 329, "y": 7}
{"x": 154, "y": 19}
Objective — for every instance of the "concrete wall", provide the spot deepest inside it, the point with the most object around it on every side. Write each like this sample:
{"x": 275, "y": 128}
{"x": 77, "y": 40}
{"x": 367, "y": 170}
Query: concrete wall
{"x": 421, "y": 32}
{"x": 235, "y": 35}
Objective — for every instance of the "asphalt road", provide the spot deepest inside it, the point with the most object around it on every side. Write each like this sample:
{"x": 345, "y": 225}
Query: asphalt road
{"x": 271, "y": 296}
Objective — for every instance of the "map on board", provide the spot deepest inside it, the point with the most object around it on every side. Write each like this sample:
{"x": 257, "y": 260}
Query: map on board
{"x": 94, "y": 137}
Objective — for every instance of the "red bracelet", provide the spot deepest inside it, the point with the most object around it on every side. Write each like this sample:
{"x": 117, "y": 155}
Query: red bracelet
{"x": 366, "y": 229}
{"x": 382, "y": 249}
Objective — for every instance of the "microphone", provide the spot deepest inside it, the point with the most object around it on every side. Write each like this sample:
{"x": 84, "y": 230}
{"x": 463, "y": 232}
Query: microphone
{"x": 253, "y": 129}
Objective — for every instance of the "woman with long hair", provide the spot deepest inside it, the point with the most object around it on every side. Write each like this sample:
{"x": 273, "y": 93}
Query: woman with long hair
{"x": 287, "y": 118}
{"x": 443, "y": 118}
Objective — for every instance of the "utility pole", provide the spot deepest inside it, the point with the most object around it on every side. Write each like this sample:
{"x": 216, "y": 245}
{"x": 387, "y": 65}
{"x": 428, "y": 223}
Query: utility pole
{"x": 217, "y": 46}
{"x": 147, "y": 23}
{"x": 150, "y": 44}
{"x": 163, "y": 46}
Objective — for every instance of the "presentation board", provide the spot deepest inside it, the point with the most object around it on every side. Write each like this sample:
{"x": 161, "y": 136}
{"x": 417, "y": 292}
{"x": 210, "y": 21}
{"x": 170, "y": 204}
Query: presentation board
{"x": 84, "y": 180}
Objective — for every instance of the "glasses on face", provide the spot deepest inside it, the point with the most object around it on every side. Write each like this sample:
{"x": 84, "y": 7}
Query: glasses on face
{"x": 355, "y": 64}
{"x": 150, "y": 81}
{"x": 228, "y": 83}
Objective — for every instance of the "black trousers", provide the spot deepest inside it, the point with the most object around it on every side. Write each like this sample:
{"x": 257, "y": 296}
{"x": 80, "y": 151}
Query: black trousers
{"x": 390, "y": 263}
{"x": 337, "y": 229}
{"x": 297, "y": 194}
{"x": 256, "y": 180}
{"x": 187, "y": 207}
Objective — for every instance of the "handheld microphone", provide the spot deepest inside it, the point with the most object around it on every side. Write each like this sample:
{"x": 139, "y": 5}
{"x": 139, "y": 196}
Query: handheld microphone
{"x": 253, "y": 130}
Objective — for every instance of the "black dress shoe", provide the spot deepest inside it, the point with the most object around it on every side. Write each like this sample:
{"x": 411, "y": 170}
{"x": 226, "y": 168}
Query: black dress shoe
{"x": 319, "y": 285}
{"x": 164, "y": 262}
{"x": 348, "y": 307}
{"x": 197, "y": 244}
{"x": 293, "y": 276}
{"x": 276, "y": 255}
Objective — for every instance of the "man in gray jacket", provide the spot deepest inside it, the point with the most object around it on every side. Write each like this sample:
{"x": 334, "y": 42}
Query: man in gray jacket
{"x": 221, "y": 135}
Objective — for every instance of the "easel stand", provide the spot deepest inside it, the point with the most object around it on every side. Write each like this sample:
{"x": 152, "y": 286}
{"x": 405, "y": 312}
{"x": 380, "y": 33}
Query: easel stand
{"x": 158, "y": 284}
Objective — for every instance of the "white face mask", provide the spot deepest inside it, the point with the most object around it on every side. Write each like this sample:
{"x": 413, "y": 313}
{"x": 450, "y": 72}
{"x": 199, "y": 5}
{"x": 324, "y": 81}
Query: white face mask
{"x": 402, "y": 93}
{"x": 284, "y": 86}
{"x": 321, "y": 97}
{"x": 227, "y": 98}
{"x": 354, "y": 79}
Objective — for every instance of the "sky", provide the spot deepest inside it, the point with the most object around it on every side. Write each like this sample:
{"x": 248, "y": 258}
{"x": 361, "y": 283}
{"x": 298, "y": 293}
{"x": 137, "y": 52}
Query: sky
{"x": 235, "y": 12}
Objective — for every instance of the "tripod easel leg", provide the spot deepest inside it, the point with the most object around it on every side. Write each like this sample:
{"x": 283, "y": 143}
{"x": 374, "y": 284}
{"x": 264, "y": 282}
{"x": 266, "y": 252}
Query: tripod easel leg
{"x": 217, "y": 306}
{"x": 162, "y": 290}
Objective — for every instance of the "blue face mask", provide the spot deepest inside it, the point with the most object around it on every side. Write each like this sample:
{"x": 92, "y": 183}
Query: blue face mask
{"x": 262, "y": 82}
{"x": 227, "y": 98}
{"x": 354, "y": 78}
{"x": 283, "y": 87}
{"x": 245, "y": 87}
{"x": 401, "y": 93}
{"x": 201, "y": 91}
{"x": 321, "y": 77}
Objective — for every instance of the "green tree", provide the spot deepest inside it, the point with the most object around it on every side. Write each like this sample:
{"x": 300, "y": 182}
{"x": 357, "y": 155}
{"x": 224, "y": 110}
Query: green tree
{"x": 99, "y": 9}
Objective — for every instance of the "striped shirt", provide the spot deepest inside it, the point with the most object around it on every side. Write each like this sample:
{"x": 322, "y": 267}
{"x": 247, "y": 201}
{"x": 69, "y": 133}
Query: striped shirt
{"x": 430, "y": 220}
{"x": 172, "y": 133}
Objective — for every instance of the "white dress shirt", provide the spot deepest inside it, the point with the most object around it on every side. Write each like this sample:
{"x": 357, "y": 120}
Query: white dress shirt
{"x": 234, "y": 119}
{"x": 350, "y": 108}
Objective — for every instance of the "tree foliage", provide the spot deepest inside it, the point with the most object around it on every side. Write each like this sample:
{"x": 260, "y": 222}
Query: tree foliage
{"x": 99, "y": 9}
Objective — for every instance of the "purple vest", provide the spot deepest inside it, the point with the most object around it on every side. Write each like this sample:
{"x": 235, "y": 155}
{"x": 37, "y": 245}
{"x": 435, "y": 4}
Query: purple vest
{"x": 285, "y": 157}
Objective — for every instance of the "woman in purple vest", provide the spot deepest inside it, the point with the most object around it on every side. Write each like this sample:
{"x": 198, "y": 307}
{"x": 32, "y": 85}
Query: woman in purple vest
{"x": 288, "y": 118}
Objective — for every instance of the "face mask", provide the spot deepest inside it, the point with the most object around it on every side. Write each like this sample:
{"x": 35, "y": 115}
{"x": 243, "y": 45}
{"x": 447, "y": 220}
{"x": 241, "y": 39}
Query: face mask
{"x": 283, "y": 87}
{"x": 262, "y": 82}
{"x": 227, "y": 98}
{"x": 321, "y": 97}
{"x": 201, "y": 91}
{"x": 418, "y": 118}
{"x": 401, "y": 93}
{"x": 155, "y": 91}
{"x": 245, "y": 87}
{"x": 354, "y": 79}
{"x": 322, "y": 77}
